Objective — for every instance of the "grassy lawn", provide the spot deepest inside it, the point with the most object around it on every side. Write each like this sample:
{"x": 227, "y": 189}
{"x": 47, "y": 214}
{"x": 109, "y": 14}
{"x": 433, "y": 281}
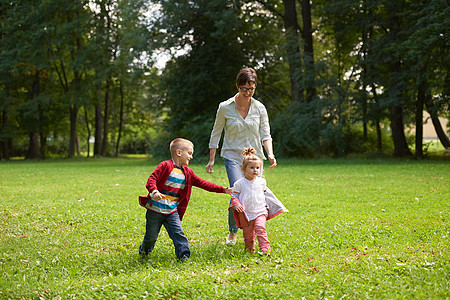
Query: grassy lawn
{"x": 356, "y": 229}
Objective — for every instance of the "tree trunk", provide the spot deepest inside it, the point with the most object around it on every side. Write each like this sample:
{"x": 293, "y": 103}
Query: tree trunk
{"x": 293, "y": 50}
{"x": 396, "y": 84}
{"x": 377, "y": 119}
{"x": 4, "y": 144}
{"x": 73, "y": 129}
{"x": 398, "y": 134}
{"x": 33, "y": 146}
{"x": 419, "y": 118}
{"x": 308, "y": 55}
{"x": 432, "y": 110}
{"x": 120, "y": 118}
{"x": 98, "y": 129}
{"x": 106, "y": 120}
{"x": 78, "y": 146}
{"x": 365, "y": 84}
{"x": 379, "y": 139}
{"x": 43, "y": 144}
{"x": 88, "y": 132}
{"x": 364, "y": 115}
{"x": 42, "y": 136}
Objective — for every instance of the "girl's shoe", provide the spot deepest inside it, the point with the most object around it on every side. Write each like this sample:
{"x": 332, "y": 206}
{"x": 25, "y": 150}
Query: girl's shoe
{"x": 230, "y": 242}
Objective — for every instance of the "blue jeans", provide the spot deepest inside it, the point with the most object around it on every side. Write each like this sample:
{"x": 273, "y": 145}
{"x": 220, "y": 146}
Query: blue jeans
{"x": 174, "y": 228}
{"x": 234, "y": 173}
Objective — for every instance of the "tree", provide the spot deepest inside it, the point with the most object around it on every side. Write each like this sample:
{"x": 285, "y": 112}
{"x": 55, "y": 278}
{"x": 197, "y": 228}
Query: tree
{"x": 301, "y": 65}
{"x": 293, "y": 50}
{"x": 25, "y": 41}
{"x": 54, "y": 63}
{"x": 69, "y": 56}
{"x": 426, "y": 54}
{"x": 117, "y": 43}
{"x": 207, "y": 35}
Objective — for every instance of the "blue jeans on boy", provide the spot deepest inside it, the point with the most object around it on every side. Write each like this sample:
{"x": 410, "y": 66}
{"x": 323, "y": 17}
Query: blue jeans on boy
{"x": 174, "y": 228}
{"x": 234, "y": 173}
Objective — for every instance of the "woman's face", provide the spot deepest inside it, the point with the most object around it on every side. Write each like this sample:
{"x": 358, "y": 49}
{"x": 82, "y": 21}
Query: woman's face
{"x": 246, "y": 91}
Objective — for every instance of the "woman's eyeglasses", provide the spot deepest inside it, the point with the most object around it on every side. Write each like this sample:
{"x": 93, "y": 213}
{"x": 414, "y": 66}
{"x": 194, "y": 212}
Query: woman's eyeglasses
{"x": 245, "y": 90}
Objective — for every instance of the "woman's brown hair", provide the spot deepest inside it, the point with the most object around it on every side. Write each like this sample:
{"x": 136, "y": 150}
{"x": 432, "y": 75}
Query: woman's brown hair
{"x": 246, "y": 75}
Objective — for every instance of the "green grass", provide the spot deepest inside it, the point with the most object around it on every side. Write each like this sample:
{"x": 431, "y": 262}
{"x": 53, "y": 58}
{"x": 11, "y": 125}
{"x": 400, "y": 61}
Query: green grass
{"x": 356, "y": 229}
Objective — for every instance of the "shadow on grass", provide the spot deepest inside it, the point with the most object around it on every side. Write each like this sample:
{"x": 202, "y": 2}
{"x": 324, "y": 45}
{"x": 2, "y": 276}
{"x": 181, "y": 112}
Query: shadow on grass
{"x": 163, "y": 258}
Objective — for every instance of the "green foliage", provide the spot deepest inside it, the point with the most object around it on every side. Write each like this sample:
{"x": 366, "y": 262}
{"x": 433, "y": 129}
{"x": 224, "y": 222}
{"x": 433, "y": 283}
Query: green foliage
{"x": 219, "y": 37}
{"x": 295, "y": 132}
{"x": 56, "y": 57}
{"x": 84, "y": 57}
{"x": 198, "y": 80}
{"x": 372, "y": 229}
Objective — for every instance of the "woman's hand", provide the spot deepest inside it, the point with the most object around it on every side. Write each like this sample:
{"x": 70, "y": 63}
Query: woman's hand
{"x": 269, "y": 150}
{"x": 273, "y": 162}
{"x": 209, "y": 167}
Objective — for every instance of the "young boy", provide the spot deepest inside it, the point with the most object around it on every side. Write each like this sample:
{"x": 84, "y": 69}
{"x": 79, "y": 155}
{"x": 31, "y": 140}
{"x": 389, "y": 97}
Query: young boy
{"x": 169, "y": 188}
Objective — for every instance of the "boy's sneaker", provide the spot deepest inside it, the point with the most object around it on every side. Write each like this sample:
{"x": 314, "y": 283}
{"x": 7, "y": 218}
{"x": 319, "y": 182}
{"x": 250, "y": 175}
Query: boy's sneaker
{"x": 142, "y": 252}
{"x": 185, "y": 258}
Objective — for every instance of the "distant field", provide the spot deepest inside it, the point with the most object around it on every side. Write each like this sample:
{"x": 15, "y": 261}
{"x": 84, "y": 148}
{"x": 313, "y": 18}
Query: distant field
{"x": 356, "y": 229}
{"x": 433, "y": 146}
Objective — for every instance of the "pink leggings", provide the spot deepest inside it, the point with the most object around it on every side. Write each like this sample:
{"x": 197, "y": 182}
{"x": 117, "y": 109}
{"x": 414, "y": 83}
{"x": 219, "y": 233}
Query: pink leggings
{"x": 255, "y": 227}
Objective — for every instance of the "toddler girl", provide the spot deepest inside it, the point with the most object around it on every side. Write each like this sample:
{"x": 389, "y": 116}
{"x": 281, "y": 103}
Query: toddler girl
{"x": 254, "y": 203}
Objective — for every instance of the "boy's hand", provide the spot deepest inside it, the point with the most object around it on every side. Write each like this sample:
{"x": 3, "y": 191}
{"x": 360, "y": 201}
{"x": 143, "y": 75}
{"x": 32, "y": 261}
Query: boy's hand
{"x": 227, "y": 190}
{"x": 239, "y": 208}
{"x": 158, "y": 196}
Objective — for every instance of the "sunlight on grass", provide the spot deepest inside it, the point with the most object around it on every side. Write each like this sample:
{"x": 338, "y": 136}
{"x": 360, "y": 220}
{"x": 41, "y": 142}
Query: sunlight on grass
{"x": 356, "y": 229}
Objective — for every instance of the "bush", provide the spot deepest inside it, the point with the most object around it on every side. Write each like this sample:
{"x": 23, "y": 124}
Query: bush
{"x": 295, "y": 132}
{"x": 138, "y": 146}
{"x": 302, "y": 132}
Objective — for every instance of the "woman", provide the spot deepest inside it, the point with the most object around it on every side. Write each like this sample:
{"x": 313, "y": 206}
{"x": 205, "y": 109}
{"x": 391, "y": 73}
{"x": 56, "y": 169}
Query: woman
{"x": 246, "y": 124}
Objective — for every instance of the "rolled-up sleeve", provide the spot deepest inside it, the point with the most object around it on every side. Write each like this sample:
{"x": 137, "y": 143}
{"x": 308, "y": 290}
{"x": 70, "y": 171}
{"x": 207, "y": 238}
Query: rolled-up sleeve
{"x": 264, "y": 129}
{"x": 219, "y": 124}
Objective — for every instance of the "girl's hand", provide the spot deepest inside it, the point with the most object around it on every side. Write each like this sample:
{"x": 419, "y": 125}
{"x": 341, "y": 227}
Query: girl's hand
{"x": 239, "y": 208}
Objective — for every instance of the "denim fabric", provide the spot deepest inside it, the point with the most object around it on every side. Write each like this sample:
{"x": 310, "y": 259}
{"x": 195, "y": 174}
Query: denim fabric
{"x": 234, "y": 173}
{"x": 174, "y": 228}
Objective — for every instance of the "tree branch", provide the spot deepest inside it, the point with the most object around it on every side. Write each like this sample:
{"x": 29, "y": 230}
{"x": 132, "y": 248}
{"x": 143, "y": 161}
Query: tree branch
{"x": 270, "y": 8}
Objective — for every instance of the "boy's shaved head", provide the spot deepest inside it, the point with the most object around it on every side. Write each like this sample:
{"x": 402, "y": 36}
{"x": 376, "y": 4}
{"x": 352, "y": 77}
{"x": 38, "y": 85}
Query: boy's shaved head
{"x": 180, "y": 143}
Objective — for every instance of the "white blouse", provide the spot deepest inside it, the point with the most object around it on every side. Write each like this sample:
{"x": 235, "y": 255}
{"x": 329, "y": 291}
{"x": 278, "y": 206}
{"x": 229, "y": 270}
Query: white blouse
{"x": 239, "y": 132}
{"x": 251, "y": 195}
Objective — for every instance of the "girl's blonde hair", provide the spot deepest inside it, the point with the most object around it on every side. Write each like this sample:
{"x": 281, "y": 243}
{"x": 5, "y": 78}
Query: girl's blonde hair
{"x": 249, "y": 155}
